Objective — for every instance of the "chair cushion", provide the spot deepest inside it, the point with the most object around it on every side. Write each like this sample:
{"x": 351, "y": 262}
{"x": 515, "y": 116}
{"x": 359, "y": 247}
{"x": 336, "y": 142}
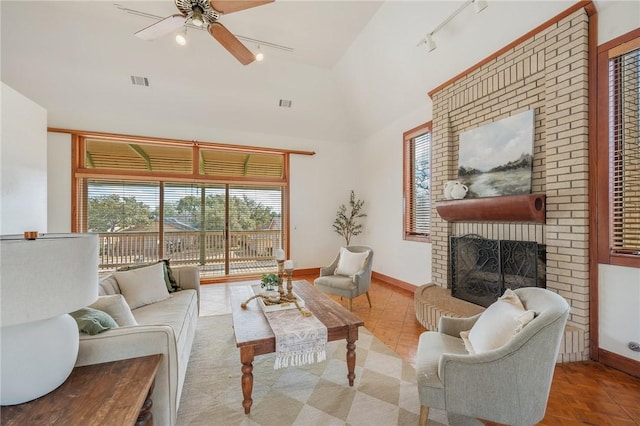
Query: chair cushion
{"x": 335, "y": 281}
{"x": 497, "y": 324}
{"x": 350, "y": 263}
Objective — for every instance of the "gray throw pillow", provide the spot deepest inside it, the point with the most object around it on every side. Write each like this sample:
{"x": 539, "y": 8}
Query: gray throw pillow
{"x": 92, "y": 321}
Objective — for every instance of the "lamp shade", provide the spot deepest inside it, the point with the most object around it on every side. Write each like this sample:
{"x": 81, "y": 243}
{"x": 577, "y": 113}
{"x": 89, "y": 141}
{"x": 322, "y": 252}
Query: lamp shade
{"x": 51, "y": 275}
{"x": 41, "y": 281}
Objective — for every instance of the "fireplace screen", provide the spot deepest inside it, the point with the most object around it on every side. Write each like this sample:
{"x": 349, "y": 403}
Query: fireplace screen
{"x": 482, "y": 269}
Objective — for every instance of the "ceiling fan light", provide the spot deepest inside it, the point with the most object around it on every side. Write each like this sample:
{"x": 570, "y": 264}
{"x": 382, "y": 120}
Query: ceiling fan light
{"x": 196, "y": 17}
{"x": 181, "y": 37}
{"x": 259, "y": 55}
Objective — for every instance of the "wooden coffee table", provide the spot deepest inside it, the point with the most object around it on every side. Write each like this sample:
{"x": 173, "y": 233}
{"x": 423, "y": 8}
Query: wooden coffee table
{"x": 254, "y": 336}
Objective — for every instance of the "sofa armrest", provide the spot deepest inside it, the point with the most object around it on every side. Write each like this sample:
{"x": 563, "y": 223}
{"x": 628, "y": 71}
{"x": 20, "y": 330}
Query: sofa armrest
{"x": 131, "y": 342}
{"x": 453, "y": 326}
{"x": 188, "y": 277}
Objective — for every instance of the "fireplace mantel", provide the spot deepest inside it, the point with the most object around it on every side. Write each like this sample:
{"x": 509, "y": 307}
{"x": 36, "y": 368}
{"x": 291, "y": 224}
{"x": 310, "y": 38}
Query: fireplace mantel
{"x": 529, "y": 208}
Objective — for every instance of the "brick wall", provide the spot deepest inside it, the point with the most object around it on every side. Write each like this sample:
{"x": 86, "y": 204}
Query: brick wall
{"x": 549, "y": 74}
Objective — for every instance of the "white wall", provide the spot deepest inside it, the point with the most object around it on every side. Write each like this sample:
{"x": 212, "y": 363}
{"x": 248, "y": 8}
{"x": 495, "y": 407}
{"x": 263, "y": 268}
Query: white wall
{"x": 59, "y": 182}
{"x": 619, "y": 316}
{"x": 23, "y": 156}
{"x": 380, "y": 162}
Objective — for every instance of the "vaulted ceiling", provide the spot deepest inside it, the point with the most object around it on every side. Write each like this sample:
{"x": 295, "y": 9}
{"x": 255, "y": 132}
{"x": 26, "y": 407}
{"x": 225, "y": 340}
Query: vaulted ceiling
{"x": 352, "y": 67}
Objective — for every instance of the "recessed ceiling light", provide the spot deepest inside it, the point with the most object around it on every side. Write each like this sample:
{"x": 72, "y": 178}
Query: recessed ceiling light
{"x": 136, "y": 80}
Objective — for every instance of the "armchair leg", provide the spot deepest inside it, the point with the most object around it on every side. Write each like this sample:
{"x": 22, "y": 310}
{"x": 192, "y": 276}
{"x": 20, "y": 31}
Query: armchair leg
{"x": 424, "y": 415}
{"x": 369, "y": 299}
{"x": 350, "y": 304}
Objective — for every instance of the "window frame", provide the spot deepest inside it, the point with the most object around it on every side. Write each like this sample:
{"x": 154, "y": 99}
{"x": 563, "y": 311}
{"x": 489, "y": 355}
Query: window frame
{"x": 408, "y": 138}
{"x": 80, "y": 173}
{"x": 605, "y": 252}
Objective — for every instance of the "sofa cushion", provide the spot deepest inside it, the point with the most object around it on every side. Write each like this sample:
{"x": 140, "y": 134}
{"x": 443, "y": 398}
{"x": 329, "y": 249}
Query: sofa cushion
{"x": 174, "y": 311}
{"x": 108, "y": 285}
{"x": 350, "y": 263}
{"x": 116, "y": 306}
{"x": 93, "y": 321}
{"x": 169, "y": 280}
{"x": 497, "y": 324}
{"x": 142, "y": 286}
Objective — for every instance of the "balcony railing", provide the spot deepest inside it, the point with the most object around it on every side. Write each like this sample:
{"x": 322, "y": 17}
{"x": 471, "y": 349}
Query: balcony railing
{"x": 248, "y": 252}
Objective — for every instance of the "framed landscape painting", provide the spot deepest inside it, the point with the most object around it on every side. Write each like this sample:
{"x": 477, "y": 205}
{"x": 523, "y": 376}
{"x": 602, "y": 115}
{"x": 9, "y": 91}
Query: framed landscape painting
{"x": 496, "y": 159}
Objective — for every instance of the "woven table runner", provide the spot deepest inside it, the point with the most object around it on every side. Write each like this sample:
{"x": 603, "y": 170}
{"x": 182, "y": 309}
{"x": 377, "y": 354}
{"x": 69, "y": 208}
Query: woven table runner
{"x": 300, "y": 340}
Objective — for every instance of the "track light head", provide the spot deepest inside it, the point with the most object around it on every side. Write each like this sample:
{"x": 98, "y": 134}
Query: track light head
{"x": 430, "y": 42}
{"x": 479, "y": 5}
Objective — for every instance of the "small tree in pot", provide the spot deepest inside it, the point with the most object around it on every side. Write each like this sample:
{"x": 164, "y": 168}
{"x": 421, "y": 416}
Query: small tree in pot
{"x": 346, "y": 224}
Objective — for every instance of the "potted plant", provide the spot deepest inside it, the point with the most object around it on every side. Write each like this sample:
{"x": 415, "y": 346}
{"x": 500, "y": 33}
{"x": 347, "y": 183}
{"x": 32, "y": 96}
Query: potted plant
{"x": 270, "y": 282}
{"x": 347, "y": 224}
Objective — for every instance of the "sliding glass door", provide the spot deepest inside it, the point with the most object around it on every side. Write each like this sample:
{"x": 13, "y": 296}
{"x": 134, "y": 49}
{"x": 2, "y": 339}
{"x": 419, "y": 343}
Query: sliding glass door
{"x": 227, "y": 230}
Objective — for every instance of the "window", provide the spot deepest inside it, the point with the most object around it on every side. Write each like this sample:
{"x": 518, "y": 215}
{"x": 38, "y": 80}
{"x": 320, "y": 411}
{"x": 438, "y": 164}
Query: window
{"x": 619, "y": 142}
{"x": 192, "y": 203}
{"x": 417, "y": 183}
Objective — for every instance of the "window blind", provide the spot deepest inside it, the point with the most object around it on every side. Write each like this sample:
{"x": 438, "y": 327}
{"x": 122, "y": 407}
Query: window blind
{"x": 624, "y": 145}
{"x": 105, "y": 155}
{"x": 418, "y": 183}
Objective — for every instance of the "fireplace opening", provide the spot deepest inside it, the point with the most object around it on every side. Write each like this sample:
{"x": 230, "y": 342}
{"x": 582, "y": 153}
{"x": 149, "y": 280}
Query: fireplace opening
{"x": 482, "y": 269}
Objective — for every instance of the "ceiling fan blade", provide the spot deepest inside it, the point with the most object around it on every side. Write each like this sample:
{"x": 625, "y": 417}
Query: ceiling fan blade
{"x": 162, "y": 27}
{"x": 226, "y": 6}
{"x": 231, "y": 43}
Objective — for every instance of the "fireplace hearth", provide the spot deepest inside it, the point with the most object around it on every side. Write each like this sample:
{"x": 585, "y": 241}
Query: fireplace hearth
{"x": 482, "y": 269}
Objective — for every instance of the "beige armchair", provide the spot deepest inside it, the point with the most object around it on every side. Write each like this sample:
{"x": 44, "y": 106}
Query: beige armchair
{"x": 348, "y": 286}
{"x": 509, "y": 384}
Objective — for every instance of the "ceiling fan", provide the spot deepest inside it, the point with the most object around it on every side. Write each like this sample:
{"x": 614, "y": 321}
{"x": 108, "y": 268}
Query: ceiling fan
{"x": 206, "y": 12}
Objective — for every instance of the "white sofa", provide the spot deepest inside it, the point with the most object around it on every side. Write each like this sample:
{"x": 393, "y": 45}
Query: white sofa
{"x": 166, "y": 327}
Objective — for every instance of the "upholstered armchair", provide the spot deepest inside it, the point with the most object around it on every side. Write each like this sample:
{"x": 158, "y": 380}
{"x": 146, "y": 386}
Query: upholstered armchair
{"x": 349, "y": 275}
{"x": 509, "y": 384}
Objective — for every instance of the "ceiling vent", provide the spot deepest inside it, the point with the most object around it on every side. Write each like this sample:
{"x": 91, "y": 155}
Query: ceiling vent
{"x": 136, "y": 80}
{"x": 285, "y": 103}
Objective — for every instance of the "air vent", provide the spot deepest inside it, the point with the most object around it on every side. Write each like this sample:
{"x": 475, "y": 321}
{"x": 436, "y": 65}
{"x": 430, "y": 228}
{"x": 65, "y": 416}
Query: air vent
{"x": 285, "y": 103}
{"x": 136, "y": 80}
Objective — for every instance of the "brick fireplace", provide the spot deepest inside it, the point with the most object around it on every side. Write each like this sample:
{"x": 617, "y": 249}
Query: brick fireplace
{"x": 546, "y": 72}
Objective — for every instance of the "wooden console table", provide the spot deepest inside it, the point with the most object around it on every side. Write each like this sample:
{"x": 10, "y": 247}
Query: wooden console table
{"x": 116, "y": 393}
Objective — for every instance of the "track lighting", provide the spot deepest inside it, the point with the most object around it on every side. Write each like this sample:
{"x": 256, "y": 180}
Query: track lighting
{"x": 181, "y": 37}
{"x": 259, "y": 55}
{"x": 431, "y": 44}
{"x": 196, "y": 17}
{"x": 479, "y": 6}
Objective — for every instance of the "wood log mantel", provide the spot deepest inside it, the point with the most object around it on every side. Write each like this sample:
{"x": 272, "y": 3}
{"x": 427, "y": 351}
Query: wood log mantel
{"x": 528, "y": 208}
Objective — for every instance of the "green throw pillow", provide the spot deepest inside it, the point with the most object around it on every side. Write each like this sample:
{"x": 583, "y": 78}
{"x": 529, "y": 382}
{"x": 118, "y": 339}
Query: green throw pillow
{"x": 92, "y": 321}
{"x": 170, "y": 281}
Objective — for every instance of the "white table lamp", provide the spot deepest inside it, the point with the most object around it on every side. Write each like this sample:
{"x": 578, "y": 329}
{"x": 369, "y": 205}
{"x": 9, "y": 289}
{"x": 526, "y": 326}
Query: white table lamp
{"x": 41, "y": 281}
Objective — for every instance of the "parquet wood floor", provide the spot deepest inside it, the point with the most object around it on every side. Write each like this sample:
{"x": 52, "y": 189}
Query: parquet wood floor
{"x": 582, "y": 393}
